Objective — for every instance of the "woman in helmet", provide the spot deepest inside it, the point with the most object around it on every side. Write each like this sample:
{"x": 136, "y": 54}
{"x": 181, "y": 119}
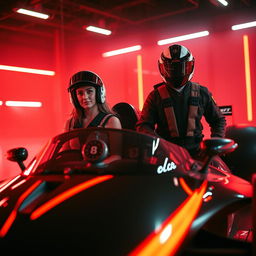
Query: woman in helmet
{"x": 88, "y": 96}
{"x": 174, "y": 109}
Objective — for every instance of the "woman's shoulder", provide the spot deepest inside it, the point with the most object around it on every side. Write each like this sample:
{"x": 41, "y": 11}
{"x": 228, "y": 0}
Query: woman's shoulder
{"x": 111, "y": 121}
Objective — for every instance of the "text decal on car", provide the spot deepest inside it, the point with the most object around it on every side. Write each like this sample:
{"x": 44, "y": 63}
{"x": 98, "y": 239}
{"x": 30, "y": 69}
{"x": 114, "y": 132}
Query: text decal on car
{"x": 166, "y": 167}
{"x": 155, "y": 146}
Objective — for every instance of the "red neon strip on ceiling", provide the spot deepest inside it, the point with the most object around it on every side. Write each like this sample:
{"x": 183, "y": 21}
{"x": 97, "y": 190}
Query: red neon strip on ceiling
{"x": 179, "y": 223}
{"x": 67, "y": 194}
{"x": 13, "y": 214}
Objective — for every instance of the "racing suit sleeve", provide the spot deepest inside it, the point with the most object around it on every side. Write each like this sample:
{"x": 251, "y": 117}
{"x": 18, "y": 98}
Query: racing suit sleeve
{"x": 214, "y": 117}
{"x": 147, "y": 120}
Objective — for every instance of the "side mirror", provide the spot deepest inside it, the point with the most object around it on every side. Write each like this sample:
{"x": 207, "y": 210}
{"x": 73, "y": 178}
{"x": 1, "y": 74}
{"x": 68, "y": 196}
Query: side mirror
{"x": 18, "y": 155}
{"x": 216, "y": 146}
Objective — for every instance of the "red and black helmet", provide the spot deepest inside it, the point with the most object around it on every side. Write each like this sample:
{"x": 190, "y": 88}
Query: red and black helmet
{"x": 176, "y": 65}
{"x": 83, "y": 78}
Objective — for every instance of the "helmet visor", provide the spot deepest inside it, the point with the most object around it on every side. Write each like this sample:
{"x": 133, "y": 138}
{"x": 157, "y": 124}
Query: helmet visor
{"x": 178, "y": 69}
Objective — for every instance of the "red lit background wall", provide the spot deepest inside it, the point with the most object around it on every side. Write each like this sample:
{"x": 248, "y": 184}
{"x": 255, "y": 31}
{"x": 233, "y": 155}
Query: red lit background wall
{"x": 219, "y": 66}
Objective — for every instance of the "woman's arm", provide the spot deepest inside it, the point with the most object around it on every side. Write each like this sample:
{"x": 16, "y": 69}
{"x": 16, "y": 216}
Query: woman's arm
{"x": 113, "y": 122}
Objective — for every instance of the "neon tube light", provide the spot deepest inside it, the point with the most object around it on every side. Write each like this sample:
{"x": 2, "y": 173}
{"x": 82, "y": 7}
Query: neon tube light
{"x": 121, "y": 51}
{"x": 244, "y": 25}
{"x": 140, "y": 81}
{"x": 28, "y": 70}
{"x": 99, "y": 30}
{"x": 247, "y": 77}
{"x": 33, "y": 104}
{"x": 33, "y": 13}
{"x": 224, "y": 2}
{"x": 1, "y": 103}
{"x": 67, "y": 194}
{"x": 183, "y": 38}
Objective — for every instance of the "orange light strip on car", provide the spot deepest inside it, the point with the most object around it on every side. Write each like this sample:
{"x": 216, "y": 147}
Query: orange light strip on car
{"x": 247, "y": 77}
{"x": 185, "y": 187}
{"x": 169, "y": 237}
{"x": 13, "y": 214}
{"x": 140, "y": 82}
{"x": 67, "y": 194}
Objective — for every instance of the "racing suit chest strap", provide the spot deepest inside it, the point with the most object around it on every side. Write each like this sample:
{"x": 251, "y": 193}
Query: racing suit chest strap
{"x": 168, "y": 110}
{"x": 193, "y": 108}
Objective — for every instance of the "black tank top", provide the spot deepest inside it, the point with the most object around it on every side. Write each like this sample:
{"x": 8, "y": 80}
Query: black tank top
{"x": 99, "y": 121}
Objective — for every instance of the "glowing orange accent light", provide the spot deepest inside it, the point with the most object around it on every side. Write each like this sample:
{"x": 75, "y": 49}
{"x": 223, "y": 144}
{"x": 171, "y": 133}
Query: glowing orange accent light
{"x": 185, "y": 187}
{"x": 67, "y": 194}
{"x": 247, "y": 77}
{"x": 140, "y": 81}
{"x": 207, "y": 199}
{"x": 13, "y": 214}
{"x": 178, "y": 223}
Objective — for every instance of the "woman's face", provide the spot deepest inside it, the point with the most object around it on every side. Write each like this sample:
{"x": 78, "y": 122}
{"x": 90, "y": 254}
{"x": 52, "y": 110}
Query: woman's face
{"x": 86, "y": 96}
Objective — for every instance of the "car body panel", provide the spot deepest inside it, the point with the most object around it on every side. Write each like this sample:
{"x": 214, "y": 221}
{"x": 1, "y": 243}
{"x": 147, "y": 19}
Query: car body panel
{"x": 116, "y": 207}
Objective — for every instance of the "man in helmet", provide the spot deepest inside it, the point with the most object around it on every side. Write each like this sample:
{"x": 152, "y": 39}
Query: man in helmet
{"x": 174, "y": 109}
{"x": 88, "y": 96}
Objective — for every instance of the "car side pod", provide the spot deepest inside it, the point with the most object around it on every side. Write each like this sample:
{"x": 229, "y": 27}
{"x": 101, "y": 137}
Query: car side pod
{"x": 213, "y": 147}
{"x": 18, "y": 155}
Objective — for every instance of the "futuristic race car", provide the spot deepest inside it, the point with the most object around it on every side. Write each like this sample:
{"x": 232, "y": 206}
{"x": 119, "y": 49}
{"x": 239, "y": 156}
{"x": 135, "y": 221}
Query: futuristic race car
{"x": 100, "y": 191}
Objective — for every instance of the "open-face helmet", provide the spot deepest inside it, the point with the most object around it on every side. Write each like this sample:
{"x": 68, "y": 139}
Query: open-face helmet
{"x": 83, "y": 78}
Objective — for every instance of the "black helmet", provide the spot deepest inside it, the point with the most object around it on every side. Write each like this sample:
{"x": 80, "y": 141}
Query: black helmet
{"x": 176, "y": 65}
{"x": 83, "y": 78}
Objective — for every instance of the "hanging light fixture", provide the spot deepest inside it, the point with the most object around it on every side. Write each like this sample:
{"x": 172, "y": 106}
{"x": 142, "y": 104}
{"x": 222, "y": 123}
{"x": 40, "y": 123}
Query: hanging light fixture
{"x": 32, "y": 13}
{"x": 98, "y": 30}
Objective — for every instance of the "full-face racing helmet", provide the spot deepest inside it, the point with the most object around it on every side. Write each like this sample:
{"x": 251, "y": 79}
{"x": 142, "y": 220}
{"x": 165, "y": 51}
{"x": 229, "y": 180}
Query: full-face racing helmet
{"x": 83, "y": 78}
{"x": 176, "y": 65}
